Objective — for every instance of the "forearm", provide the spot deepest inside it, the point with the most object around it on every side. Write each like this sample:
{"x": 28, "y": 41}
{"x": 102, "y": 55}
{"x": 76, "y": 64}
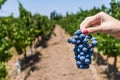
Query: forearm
{"x": 116, "y": 30}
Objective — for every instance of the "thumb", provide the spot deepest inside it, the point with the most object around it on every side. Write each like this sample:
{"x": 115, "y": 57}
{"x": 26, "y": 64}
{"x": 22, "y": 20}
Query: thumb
{"x": 92, "y": 30}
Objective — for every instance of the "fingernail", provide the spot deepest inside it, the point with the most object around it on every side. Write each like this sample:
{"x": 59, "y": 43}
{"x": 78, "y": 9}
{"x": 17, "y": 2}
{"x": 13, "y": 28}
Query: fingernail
{"x": 85, "y": 31}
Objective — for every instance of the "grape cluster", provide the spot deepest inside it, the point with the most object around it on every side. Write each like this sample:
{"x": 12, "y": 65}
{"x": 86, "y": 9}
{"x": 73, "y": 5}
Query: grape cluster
{"x": 83, "y": 48}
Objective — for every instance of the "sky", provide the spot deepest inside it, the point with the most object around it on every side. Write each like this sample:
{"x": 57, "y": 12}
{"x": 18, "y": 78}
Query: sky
{"x": 45, "y": 7}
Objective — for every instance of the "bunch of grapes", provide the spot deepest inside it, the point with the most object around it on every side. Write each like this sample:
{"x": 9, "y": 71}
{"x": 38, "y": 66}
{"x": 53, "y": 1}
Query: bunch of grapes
{"x": 83, "y": 48}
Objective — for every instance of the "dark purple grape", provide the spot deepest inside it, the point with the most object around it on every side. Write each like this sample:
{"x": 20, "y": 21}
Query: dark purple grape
{"x": 78, "y": 56}
{"x": 94, "y": 42}
{"x": 85, "y": 40}
{"x": 82, "y": 58}
{"x": 80, "y": 46}
{"x": 93, "y": 38}
{"x": 76, "y": 37}
{"x": 87, "y": 55}
{"x": 78, "y": 62}
{"x": 86, "y": 66}
{"x": 69, "y": 40}
{"x": 89, "y": 36}
{"x": 78, "y": 32}
{"x": 73, "y": 41}
{"x": 78, "y": 42}
{"x": 84, "y": 49}
{"x": 75, "y": 50}
{"x": 75, "y": 54}
{"x": 85, "y": 45}
{"x": 91, "y": 50}
{"x": 78, "y": 50}
{"x": 76, "y": 46}
{"x": 82, "y": 36}
{"x": 81, "y": 66}
{"x": 87, "y": 61}
{"x": 82, "y": 53}
{"x": 90, "y": 46}
{"x": 77, "y": 59}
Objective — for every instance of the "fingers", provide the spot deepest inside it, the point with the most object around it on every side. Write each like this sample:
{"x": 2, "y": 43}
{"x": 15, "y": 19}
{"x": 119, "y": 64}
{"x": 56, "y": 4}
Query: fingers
{"x": 93, "y": 20}
{"x": 92, "y": 30}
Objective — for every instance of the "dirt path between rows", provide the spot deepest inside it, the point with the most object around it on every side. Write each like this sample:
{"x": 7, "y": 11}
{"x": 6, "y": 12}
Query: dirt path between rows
{"x": 56, "y": 62}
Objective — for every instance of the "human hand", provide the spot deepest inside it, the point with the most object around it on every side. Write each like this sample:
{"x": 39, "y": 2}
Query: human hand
{"x": 101, "y": 22}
